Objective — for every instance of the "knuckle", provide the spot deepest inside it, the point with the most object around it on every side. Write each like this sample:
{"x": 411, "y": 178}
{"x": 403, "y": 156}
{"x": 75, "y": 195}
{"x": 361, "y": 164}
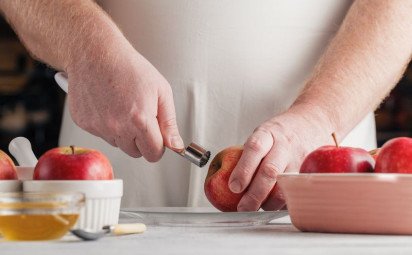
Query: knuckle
{"x": 169, "y": 123}
{"x": 253, "y": 197}
{"x": 133, "y": 154}
{"x": 127, "y": 145}
{"x": 140, "y": 120}
{"x": 264, "y": 128}
{"x": 270, "y": 171}
{"x": 254, "y": 144}
{"x": 154, "y": 154}
{"x": 152, "y": 158}
{"x": 247, "y": 171}
{"x": 241, "y": 172}
{"x": 137, "y": 153}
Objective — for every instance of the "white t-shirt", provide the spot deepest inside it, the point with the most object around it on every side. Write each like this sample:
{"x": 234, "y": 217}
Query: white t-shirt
{"x": 231, "y": 65}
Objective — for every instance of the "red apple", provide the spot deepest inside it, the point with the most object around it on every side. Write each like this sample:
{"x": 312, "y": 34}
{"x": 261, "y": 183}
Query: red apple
{"x": 73, "y": 163}
{"x": 217, "y": 180}
{"x": 7, "y": 167}
{"x": 335, "y": 159}
{"x": 395, "y": 156}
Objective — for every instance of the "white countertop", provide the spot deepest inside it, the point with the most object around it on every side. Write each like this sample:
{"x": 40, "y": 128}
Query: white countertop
{"x": 279, "y": 237}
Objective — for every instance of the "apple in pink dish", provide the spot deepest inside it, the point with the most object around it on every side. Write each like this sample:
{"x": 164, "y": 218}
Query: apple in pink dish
{"x": 73, "y": 163}
{"x": 336, "y": 159}
{"x": 395, "y": 156}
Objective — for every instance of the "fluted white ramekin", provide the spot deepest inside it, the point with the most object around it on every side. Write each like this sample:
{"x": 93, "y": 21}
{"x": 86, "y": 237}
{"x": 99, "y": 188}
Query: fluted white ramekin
{"x": 103, "y": 199}
{"x": 10, "y": 186}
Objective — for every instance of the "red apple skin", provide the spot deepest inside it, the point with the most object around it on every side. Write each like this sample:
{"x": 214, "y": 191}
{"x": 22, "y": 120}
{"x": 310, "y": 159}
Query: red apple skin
{"x": 333, "y": 159}
{"x": 80, "y": 164}
{"x": 7, "y": 167}
{"x": 217, "y": 180}
{"x": 395, "y": 156}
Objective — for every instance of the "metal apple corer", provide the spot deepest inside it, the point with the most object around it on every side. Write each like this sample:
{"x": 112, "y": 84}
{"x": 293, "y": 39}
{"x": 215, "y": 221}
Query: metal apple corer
{"x": 194, "y": 152}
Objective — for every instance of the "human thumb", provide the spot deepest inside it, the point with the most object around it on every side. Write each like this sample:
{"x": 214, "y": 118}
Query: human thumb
{"x": 167, "y": 122}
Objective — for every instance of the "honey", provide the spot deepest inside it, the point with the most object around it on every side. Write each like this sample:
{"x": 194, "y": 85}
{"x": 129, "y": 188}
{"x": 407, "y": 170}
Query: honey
{"x": 38, "y": 216}
{"x": 34, "y": 227}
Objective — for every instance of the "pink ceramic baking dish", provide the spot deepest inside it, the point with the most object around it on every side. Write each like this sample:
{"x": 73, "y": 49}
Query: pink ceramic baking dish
{"x": 349, "y": 203}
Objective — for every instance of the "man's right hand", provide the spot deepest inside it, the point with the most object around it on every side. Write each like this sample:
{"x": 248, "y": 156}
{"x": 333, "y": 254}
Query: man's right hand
{"x": 114, "y": 92}
{"x": 123, "y": 99}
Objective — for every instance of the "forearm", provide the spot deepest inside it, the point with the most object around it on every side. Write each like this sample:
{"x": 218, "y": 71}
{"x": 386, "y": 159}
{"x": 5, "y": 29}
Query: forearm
{"x": 61, "y": 32}
{"x": 362, "y": 64}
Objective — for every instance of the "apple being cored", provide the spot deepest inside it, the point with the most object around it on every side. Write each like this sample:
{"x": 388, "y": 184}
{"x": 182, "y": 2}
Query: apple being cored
{"x": 217, "y": 180}
{"x": 336, "y": 159}
{"x": 7, "y": 167}
{"x": 395, "y": 156}
{"x": 217, "y": 183}
{"x": 73, "y": 163}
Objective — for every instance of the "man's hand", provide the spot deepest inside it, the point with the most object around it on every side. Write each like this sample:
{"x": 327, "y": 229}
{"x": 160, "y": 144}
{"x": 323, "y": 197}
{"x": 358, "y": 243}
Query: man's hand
{"x": 114, "y": 92}
{"x": 362, "y": 64}
{"x": 278, "y": 145}
{"x": 125, "y": 101}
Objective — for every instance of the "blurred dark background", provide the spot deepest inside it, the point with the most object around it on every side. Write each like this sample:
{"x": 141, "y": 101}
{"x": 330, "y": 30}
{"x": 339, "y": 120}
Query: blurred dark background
{"x": 31, "y": 104}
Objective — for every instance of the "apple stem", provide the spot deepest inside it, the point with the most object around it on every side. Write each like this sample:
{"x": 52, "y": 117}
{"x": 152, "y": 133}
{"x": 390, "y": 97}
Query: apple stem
{"x": 72, "y": 147}
{"x": 335, "y": 139}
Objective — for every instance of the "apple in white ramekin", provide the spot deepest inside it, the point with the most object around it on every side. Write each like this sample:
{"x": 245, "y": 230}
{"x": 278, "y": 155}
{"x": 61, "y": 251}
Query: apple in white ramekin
{"x": 70, "y": 169}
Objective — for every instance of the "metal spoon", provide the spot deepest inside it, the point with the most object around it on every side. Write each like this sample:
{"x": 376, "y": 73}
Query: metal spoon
{"x": 119, "y": 229}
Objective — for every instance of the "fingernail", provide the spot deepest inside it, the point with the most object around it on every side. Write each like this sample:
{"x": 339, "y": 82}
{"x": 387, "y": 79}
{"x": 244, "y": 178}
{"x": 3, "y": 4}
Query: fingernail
{"x": 235, "y": 186}
{"x": 176, "y": 142}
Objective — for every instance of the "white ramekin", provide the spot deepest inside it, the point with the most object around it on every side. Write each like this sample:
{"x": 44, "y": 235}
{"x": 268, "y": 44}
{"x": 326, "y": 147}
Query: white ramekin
{"x": 103, "y": 199}
{"x": 25, "y": 173}
{"x": 10, "y": 186}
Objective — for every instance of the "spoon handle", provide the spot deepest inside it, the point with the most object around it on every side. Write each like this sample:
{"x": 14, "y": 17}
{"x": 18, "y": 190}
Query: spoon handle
{"x": 20, "y": 148}
{"x": 125, "y": 229}
{"x": 61, "y": 80}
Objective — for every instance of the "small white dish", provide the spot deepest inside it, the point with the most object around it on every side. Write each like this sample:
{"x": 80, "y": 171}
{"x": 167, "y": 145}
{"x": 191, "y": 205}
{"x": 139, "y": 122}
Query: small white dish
{"x": 103, "y": 198}
{"x": 10, "y": 186}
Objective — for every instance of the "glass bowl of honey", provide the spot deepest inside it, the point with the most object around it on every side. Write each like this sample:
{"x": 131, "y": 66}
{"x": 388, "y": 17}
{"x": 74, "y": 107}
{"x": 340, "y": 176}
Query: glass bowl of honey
{"x": 38, "y": 216}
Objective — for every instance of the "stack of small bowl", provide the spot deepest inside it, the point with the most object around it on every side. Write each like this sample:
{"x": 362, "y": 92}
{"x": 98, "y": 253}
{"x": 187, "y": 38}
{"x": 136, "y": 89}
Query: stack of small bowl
{"x": 99, "y": 206}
